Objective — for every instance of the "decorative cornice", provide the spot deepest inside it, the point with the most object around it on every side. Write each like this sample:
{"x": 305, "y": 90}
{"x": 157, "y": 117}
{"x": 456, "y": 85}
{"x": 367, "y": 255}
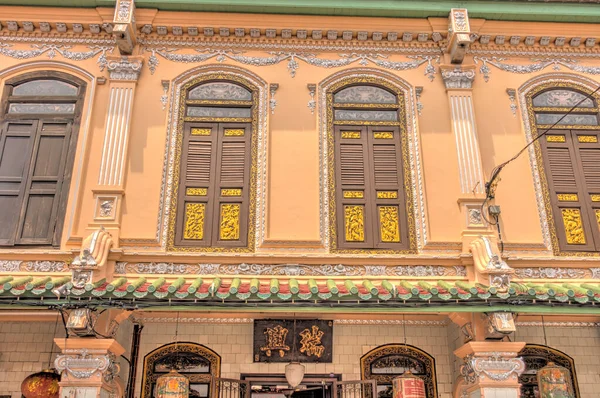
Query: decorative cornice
{"x": 125, "y": 68}
{"x": 33, "y": 266}
{"x": 557, "y": 273}
{"x": 227, "y": 321}
{"x": 457, "y": 77}
{"x": 387, "y": 322}
{"x": 84, "y": 363}
{"x": 364, "y": 322}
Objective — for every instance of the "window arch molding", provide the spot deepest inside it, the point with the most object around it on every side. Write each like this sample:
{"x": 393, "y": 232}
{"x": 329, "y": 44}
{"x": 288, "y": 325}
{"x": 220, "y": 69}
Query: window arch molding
{"x": 411, "y": 156}
{"x": 395, "y": 352}
{"x": 257, "y": 192}
{"x": 14, "y": 72}
{"x": 526, "y": 93}
{"x": 537, "y": 356}
{"x": 211, "y": 358}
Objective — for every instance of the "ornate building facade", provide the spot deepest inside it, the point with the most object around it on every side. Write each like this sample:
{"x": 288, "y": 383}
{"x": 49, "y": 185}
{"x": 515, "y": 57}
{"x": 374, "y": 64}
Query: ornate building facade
{"x": 368, "y": 189}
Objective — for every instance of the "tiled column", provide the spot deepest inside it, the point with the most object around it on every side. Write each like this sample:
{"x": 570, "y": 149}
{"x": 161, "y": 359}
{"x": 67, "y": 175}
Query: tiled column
{"x": 108, "y": 194}
{"x": 87, "y": 367}
{"x": 459, "y": 83}
{"x": 490, "y": 369}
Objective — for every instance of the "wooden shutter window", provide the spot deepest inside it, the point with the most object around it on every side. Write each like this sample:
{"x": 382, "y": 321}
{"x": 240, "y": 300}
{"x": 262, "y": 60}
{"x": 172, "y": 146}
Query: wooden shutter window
{"x": 569, "y": 192}
{"x": 37, "y": 150}
{"x": 369, "y": 188}
{"x": 213, "y": 195}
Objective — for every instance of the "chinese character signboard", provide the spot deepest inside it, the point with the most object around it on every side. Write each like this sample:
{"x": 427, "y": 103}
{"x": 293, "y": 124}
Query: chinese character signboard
{"x": 274, "y": 341}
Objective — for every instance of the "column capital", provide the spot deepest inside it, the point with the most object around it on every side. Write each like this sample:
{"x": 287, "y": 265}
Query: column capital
{"x": 458, "y": 77}
{"x": 124, "y": 68}
{"x": 491, "y": 364}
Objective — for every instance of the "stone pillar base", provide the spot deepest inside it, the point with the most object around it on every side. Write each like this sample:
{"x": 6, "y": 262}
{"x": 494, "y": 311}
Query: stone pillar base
{"x": 88, "y": 368}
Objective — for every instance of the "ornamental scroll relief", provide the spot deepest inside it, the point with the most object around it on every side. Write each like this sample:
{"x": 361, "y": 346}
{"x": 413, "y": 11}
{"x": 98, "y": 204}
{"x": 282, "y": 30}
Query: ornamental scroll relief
{"x": 292, "y": 58}
{"x": 291, "y": 269}
{"x": 52, "y": 50}
{"x": 536, "y": 65}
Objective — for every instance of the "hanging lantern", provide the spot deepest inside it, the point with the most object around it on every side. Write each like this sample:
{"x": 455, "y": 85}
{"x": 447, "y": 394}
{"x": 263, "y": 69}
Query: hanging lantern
{"x": 294, "y": 373}
{"x": 555, "y": 382}
{"x": 409, "y": 386}
{"x": 172, "y": 385}
{"x": 42, "y": 384}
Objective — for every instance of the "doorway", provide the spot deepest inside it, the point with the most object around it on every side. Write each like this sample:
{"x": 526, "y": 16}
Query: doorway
{"x": 276, "y": 386}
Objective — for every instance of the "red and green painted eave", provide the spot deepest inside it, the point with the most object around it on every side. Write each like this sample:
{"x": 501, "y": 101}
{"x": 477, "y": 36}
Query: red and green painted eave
{"x": 287, "y": 291}
{"x": 515, "y": 10}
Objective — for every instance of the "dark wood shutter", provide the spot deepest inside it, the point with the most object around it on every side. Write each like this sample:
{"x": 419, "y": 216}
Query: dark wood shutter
{"x": 389, "y": 210}
{"x": 354, "y": 223}
{"x": 213, "y": 193}
{"x": 572, "y": 178}
{"x": 16, "y": 144}
{"x": 44, "y": 183}
{"x": 371, "y": 210}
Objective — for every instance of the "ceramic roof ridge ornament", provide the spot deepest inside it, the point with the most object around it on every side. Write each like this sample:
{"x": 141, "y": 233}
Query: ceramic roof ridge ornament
{"x": 489, "y": 266}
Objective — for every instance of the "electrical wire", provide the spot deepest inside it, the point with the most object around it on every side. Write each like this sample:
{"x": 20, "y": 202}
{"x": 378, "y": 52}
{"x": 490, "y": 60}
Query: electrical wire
{"x": 489, "y": 186}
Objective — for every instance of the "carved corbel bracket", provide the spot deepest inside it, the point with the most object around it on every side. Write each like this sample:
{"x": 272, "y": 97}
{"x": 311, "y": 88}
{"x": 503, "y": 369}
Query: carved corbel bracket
{"x": 459, "y": 34}
{"x": 489, "y": 264}
{"x": 458, "y": 77}
{"x": 312, "y": 104}
{"x": 418, "y": 92}
{"x": 272, "y": 101}
{"x": 124, "y": 26}
{"x": 164, "y": 98}
{"x": 124, "y": 68}
{"x": 491, "y": 364}
{"x": 91, "y": 264}
{"x": 512, "y": 96}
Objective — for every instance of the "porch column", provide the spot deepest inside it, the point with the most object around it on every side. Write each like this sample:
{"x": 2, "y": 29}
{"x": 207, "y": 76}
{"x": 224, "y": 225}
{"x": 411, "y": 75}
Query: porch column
{"x": 124, "y": 72}
{"x": 88, "y": 367}
{"x": 490, "y": 369}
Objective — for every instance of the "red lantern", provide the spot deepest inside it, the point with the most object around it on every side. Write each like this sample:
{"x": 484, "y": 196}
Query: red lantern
{"x": 43, "y": 384}
{"x": 408, "y": 385}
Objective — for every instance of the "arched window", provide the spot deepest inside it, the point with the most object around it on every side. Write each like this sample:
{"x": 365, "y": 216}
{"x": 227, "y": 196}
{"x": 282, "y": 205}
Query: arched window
{"x": 571, "y": 161}
{"x": 370, "y": 156}
{"x": 536, "y": 357}
{"x": 39, "y": 123}
{"x": 389, "y": 361}
{"x": 197, "y": 362}
{"x": 213, "y": 207}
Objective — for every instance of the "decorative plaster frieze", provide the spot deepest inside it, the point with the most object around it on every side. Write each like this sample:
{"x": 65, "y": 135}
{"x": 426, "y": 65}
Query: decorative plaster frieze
{"x": 227, "y": 321}
{"x": 458, "y": 78}
{"x": 535, "y": 65}
{"x": 554, "y": 273}
{"x": 52, "y": 50}
{"x": 291, "y": 269}
{"x": 124, "y": 68}
{"x": 32, "y": 266}
{"x": 292, "y": 58}
{"x": 559, "y": 324}
{"x": 386, "y": 322}
{"x": 165, "y": 95}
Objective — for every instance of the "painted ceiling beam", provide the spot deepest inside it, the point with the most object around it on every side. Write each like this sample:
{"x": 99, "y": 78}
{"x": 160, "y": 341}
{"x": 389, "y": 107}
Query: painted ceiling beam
{"x": 555, "y": 11}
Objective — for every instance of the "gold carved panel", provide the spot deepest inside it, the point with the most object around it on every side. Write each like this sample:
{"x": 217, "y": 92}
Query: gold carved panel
{"x": 231, "y": 192}
{"x": 573, "y": 226}
{"x": 595, "y": 198}
{"x": 387, "y": 194}
{"x": 351, "y": 134}
{"x": 587, "y": 138}
{"x": 386, "y": 135}
{"x": 198, "y": 131}
{"x": 389, "y": 224}
{"x": 354, "y": 194}
{"x": 229, "y": 227}
{"x": 555, "y": 138}
{"x": 234, "y": 132}
{"x": 196, "y": 191}
{"x": 597, "y": 211}
{"x": 354, "y": 221}
{"x": 194, "y": 221}
{"x": 567, "y": 197}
